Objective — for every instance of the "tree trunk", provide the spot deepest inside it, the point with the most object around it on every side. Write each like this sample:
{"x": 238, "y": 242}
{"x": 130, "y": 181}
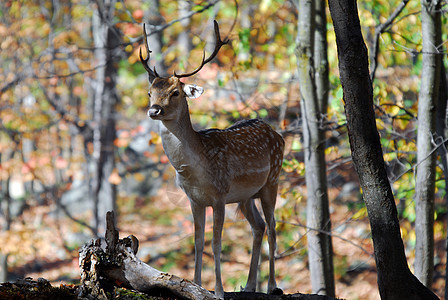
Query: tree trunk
{"x": 322, "y": 89}
{"x": 6, "y": 211}
{"x": 184, "y": 40}
{"x": 155, "y": 39}
{"x": 441, "y": 126}
{"x": 5, "y": 208}
{"x": 321, "y": 56}
{"x": 395, "y": 281}
{"x": 320, "y": 250}
{"x": 3, "y": 267}
{"x": 106, "y": 40}
{"x": 426, "y": 156}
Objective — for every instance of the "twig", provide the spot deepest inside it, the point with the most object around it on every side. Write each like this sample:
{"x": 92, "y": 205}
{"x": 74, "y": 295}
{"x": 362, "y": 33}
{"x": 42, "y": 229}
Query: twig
{"x": 78, "y": 221}
{"x": 153, "y": 29}
{"x": 71, "y": 74}
{"x": 378, "y": 31}
{"x": 442, "y": 143}
{"x": 327, "y": 233}
{"x": 10, "y": 84}
{"x": 67, "y": 116}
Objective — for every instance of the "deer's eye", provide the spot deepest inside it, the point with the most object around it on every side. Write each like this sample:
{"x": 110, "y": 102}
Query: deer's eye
{"x": 175, "y": 93}
{"x": 149, "y": 95}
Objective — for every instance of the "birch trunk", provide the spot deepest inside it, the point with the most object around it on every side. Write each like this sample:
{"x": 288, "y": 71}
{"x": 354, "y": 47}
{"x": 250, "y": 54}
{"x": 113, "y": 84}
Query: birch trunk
{"x": 106, "y": 40}
{"x": 155, "y": 39}
{"x": 184, "y": 39}
{"x": 426, "y": 156}
{"x": 320, "y": 251}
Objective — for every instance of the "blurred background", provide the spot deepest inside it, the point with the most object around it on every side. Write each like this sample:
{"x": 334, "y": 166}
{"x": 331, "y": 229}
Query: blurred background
{"x": 75, "y": 140}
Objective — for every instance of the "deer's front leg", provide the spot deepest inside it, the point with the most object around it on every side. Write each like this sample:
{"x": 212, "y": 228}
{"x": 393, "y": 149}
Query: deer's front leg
{"x": 218, "y": 222}
{"x": 199, "y": 226}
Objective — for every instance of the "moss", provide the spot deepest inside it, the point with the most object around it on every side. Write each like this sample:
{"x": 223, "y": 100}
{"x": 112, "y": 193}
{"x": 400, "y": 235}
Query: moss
{"x": 28, "y": 289}
{"x": 31, "y": 290}
{"x": 124, "y": 294}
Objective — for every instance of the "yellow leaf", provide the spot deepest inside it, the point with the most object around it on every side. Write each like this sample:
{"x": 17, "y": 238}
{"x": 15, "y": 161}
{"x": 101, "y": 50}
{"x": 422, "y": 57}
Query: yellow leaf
{"x": 139, "y": 177}
{"x": 402, "y": 124}
{"x": 360, "y": 214}
{"x": 265, "y": 5}
{"x": 155, "y": 138}
{"x": 118, "y": 5}
{"x": 379, "y": 124}
{"x": 393, "y": 110}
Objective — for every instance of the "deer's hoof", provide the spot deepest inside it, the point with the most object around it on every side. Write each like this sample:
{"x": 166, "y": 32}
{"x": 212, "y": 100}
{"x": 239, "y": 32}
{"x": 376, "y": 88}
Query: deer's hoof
{"x": 277, "y": 292}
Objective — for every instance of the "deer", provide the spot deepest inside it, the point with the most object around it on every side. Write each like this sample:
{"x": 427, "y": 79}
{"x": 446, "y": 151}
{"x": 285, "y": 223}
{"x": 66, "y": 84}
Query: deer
{"x": 215, "y": 167}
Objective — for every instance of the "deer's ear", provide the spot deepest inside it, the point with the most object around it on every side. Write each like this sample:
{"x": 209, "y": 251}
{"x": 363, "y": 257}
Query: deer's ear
{"x": 193, "y": 91}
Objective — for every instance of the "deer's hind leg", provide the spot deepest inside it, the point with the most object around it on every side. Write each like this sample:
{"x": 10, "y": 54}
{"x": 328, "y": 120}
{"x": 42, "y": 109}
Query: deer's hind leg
{"x": 268, "y": 197}
{"x": 257, "y": 224}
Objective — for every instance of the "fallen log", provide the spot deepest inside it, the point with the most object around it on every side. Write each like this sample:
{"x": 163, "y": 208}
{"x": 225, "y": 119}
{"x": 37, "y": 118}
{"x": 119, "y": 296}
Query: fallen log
{"x": 110, "y": 262}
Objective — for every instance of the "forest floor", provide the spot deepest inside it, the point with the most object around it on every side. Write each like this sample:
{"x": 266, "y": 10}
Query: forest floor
{"x": 43, "y": 246}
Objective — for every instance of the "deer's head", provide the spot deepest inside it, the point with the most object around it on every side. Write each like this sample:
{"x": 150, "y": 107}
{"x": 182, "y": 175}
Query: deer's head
{"x": 167, "y": 95}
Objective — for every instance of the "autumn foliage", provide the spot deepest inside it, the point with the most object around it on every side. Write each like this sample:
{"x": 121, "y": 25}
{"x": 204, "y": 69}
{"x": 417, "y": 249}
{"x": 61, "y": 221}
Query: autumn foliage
{"x": 49, "y": 68}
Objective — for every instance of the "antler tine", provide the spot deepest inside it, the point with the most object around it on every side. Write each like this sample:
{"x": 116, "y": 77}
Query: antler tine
{"x": 145, "y": 61}
{"x": 218, "y": 45}
{"x": 155, "y": 72}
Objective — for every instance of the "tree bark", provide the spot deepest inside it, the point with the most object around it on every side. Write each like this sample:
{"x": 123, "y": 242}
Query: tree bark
{"x": 442, "y": 125}
{"x": 106, "y": 40}
{"x": 155, "y": 39}
{"x": 5, "y": 207}
{"x": 321, "y": 56}
{"x": 426, "y": 156}
{"x": 185, "y": 40}
{"x": 395, "y": 281}
{"x": 320, "y": 250}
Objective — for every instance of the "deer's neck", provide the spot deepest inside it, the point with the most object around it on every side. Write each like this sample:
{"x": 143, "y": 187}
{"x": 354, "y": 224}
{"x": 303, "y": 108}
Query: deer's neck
{"x": 180, "y": 141}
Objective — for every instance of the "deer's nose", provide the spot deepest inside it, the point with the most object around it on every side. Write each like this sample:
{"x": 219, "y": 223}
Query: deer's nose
{"x": 155, "y": 111}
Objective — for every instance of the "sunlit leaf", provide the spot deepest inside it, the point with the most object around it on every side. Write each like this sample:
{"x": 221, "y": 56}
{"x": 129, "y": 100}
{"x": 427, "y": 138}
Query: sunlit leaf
{"x": 139, "y": 177}
{"x": 360, "y": 214}
{"x": 155, "y": 138}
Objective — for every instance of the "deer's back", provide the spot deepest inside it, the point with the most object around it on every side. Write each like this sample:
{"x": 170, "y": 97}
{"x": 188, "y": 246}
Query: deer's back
{"x": 248, "y": 153}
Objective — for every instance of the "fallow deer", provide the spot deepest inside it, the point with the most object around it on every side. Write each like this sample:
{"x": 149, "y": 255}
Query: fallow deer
{"x": 215, "y": 167}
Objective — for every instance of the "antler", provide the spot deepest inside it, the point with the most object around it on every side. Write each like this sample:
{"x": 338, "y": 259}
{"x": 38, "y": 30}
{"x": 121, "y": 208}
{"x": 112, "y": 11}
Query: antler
{"x": 218, "y": 45}
{"x": 152, "y": 73}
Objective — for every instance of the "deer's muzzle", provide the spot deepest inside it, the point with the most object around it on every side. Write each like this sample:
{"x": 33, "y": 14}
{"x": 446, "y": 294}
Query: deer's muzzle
{"x": 155, "y": 111}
